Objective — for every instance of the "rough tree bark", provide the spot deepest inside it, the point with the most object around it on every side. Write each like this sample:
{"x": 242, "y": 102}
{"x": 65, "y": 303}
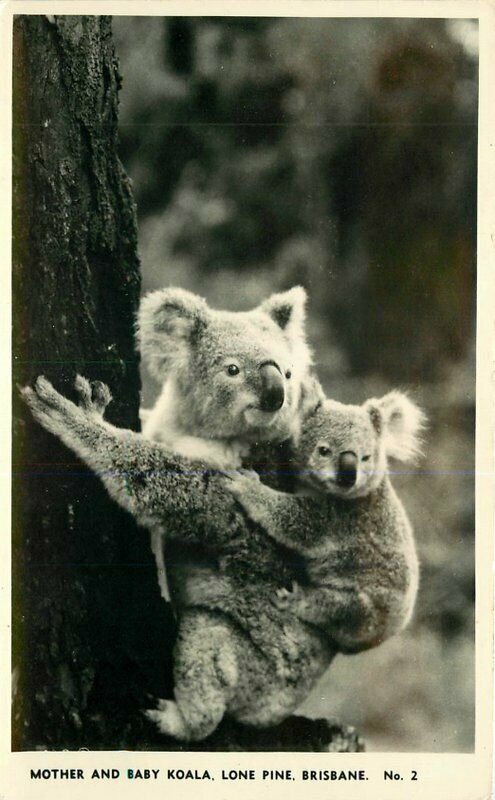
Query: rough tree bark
{"x": 92, "y": 638}
{"x": 86, "y": 604}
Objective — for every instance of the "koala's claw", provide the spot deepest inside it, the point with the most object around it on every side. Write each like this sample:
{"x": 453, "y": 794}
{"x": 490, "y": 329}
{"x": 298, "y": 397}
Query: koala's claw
{"x": 240, "y": 474}
{"x": 46, "y": 391}
{"x": 94, "y": 396}
{"x": 101, "y": 394}
{"x": 55, "y": 412}
{"x": 168, "y": 718}
{"x": 281, "y": 601}
{"x": 83, "y": 389}
{"x": 237, "y": 480}
{"x": 47, "y": 406}
{"x": 248, "y": 474}
{"x": 44, "y": 399}
{"x": 284, "y": 597}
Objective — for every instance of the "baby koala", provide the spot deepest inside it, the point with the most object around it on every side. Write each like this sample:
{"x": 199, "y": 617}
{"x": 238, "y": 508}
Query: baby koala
{"x": 346, "y": 520}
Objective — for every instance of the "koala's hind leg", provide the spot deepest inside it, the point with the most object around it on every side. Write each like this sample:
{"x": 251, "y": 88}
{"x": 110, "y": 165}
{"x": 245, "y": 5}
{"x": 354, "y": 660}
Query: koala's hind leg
{"x": 205, "y": 674}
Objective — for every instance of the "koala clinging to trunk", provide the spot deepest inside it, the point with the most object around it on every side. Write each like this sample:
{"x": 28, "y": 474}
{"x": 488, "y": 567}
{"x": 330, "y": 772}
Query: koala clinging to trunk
{"x": 236, "y": 652}
{"x": 352, "y": 531}
{"x": 229, "y": 378}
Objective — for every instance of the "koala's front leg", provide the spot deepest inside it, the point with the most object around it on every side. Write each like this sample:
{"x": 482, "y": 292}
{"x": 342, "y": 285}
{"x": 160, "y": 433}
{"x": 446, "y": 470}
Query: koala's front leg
{"x": 299, "y": 523}
{"x": 136, "y": 472}
{"x": 140, "y": 475}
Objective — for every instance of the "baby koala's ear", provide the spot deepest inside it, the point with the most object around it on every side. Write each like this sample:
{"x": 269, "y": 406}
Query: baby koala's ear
{"x": 167, "y": 324}
{"x": 288, "y": 310}
{"x": 403, "y": 422}
{"x": 311, "y": 398}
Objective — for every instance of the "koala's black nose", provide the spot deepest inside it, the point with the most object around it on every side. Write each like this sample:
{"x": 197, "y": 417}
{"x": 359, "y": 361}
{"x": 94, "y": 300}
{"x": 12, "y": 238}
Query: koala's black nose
{"x": 347, "y": 471}
{"x": 272, "y": 387}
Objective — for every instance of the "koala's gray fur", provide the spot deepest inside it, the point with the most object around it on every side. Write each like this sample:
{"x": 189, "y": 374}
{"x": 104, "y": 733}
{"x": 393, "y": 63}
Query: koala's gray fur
{"x": 355, "y": 539}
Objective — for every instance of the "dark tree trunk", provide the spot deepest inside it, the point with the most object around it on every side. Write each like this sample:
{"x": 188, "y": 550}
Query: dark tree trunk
{"x": 91, "y": 633}
{"x": 92, "y": 638}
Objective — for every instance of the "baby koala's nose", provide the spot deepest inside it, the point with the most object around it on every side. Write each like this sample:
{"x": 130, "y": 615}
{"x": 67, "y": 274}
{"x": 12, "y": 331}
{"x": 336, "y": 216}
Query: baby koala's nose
{"x": 347, "y": 470}
{"x": 272, "y": 387}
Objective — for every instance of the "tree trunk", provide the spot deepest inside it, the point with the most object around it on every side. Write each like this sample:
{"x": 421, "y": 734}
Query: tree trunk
{"x": 91, "y": 633}
{"x": 92, "y": 638}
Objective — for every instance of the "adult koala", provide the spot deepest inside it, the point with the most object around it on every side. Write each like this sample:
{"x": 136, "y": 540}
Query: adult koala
{"x": 236, "y": 652}
{"x": 229, "y": 379}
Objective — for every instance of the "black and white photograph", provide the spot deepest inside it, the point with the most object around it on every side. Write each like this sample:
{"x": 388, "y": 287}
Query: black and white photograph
{"x": 244, "y": 276}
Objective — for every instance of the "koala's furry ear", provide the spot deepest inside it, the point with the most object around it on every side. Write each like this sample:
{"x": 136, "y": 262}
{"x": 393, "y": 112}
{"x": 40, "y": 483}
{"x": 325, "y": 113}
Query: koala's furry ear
{"x": 403, "y": 423}
{"x": 288, "y": 310}
{"x": 168, "y": 320}
{"x": 311, "y": 398}
{"x": 375, "y": 415}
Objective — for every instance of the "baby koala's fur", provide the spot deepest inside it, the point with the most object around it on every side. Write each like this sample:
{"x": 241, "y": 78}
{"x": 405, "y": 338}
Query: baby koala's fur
{"x": 352, "y": 530}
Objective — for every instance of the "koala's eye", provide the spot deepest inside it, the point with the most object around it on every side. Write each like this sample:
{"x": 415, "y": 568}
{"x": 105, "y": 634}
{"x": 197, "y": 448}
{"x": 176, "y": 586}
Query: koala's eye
{"x": 288, "y": 374}
{"x": 324, "y": 451}
{"x": 233, "y": 369}
{"x": 365, "y": 458}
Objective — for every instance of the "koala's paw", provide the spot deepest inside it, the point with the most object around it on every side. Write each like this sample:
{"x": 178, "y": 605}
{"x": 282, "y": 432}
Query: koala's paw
{"x": 247, "y": 474}
{"x": 225, "y": 561}
{"x": 44, "y": 393}
{"x": 48, "y": 406}
{"x": 168, "y": 718}
{"x": 94, "y": 397}
{"x": 252, "y": 495}
{"x": 285, "y": 598}
{"x": 242, "y": 483}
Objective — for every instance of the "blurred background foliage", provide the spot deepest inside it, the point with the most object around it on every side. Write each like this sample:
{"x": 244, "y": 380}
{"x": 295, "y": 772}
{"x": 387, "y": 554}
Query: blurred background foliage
{"x": 340, "y": 155}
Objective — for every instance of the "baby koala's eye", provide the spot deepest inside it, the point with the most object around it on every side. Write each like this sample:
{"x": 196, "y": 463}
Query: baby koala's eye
{"x": 365, "y": 458}
{"x": 233, "y": 369}
{"x": 288, "y": 374}
{"x": 324, "y": 451}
